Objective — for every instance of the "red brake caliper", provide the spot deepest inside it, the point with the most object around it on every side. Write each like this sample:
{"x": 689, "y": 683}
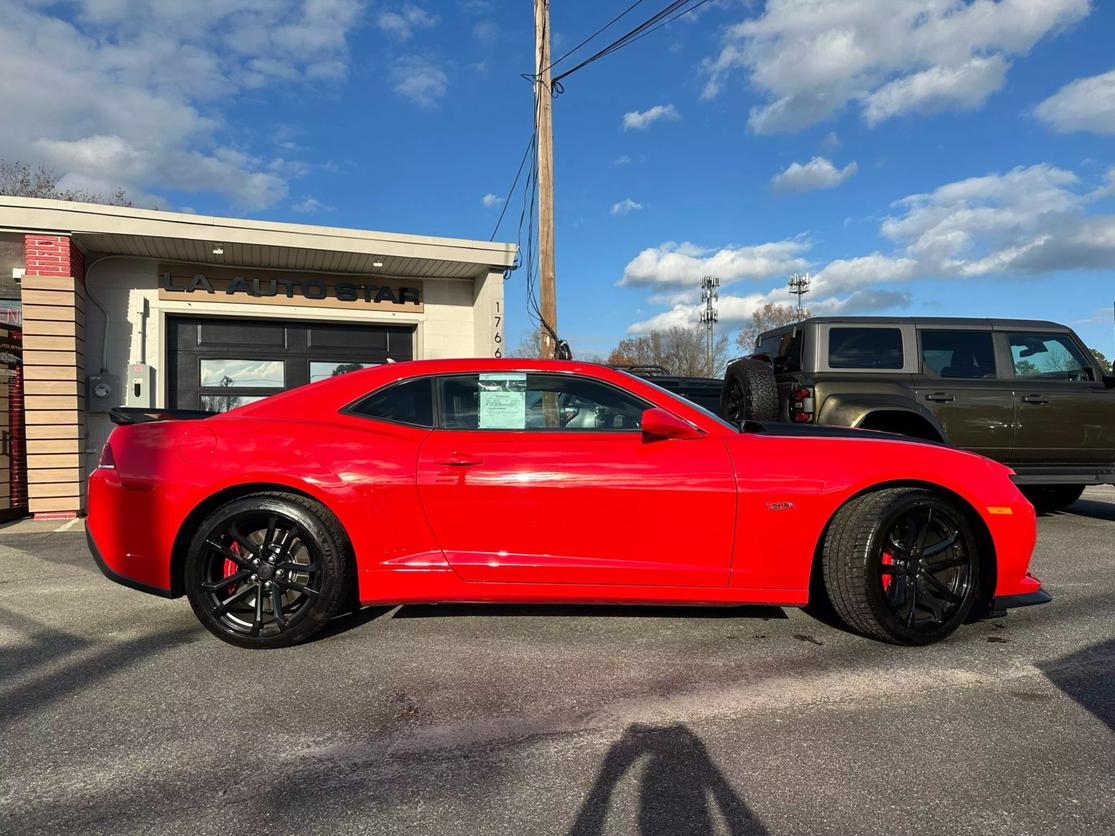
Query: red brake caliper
{"x": 231, "y": 568}
{"x": 887, "y": 579}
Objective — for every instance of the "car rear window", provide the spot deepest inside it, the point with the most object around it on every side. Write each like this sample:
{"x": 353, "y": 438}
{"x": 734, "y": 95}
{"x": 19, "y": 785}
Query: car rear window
{"x": 410, "y": 402}
{"x": 865, "y": 348}
{"x": 958, "y": 354}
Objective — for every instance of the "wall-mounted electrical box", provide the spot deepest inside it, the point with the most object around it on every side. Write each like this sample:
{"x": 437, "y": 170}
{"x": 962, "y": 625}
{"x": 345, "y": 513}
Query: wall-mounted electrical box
{"x": 102, "y": 392}
{"x": 138, "y": 387}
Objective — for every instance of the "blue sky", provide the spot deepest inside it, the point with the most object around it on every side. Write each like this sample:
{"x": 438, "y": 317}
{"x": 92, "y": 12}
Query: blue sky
{"x": 938, "y": 157}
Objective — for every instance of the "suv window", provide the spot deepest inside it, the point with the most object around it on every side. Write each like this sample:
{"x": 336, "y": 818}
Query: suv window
{"x": 526, "y": 401}
{"x": 410, "y": 402}
{"x": 1048, "y": 356}
{"x": 958, "y": 354}
{"x": 865, "y": 348}
{"x": 783, "y": 349}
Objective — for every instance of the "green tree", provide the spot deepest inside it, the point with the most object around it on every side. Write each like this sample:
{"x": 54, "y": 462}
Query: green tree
{"x": 1105, "y": 364}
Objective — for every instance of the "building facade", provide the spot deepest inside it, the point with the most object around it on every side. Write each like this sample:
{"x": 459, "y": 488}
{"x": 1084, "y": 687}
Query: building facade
{"x": 131, "y": 307}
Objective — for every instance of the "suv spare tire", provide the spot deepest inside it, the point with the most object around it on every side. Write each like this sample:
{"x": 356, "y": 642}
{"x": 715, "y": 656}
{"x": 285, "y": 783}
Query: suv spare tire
{"x": 750, "y": 392}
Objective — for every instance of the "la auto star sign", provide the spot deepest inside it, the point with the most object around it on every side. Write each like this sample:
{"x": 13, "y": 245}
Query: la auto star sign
{"x": 223, "y": 285}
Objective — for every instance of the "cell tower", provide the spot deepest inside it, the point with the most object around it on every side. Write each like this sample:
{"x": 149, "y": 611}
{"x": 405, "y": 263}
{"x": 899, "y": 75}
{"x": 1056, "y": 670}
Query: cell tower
{"x": 799, "y": 286}
{"x": 710, "y": 295}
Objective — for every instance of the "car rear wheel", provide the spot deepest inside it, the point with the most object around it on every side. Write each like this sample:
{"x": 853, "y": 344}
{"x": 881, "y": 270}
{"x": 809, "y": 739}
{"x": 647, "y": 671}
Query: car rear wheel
{"x": 901, "y": 565}
{"x": 749, "y": 393}
{"x": 1046, "y": 498}
{"x": 267, "y": 570}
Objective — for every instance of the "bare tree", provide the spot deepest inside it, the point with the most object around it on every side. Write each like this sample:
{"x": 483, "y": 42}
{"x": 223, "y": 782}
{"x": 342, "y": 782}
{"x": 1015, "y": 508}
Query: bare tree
{"x": 678, "y": 350}
{"x": 18, "y": 179}
{"x": 771, "y": 315}
{"x": 530, "y": 346}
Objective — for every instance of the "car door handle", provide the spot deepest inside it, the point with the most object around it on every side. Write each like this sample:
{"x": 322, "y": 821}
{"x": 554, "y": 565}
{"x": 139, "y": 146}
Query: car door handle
{"x": 460, "y": 460}
{"x": 940, "y": 397}
{"x": 1036, "y": 399}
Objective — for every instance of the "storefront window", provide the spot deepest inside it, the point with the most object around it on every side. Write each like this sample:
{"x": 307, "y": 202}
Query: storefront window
{"x": 223, "y": 403}
{"x": 321, "y": 370}
{"x": 250, "y": 374}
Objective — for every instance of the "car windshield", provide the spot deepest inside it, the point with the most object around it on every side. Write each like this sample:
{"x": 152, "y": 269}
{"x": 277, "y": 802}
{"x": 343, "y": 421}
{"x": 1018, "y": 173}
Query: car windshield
{"x": 681, "y": 399}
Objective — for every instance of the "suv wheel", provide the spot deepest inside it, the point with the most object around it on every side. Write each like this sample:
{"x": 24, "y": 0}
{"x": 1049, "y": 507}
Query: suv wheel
{"x": 901, "y": 565}
{"x": 749, "y": 393}
{"x": 1046, "y": 498}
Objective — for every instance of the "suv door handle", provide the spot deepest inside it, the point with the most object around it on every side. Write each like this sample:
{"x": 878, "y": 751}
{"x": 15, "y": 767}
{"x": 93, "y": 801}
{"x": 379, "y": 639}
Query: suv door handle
{"x": 940, "y": 397}
{"x": 1036, "y": 399}
{"x": 460, "y": 460}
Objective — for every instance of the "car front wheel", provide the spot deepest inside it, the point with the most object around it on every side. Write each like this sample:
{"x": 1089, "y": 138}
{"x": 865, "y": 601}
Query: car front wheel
{"x": 901, "y": 565}
{"x": 267, "y": 570}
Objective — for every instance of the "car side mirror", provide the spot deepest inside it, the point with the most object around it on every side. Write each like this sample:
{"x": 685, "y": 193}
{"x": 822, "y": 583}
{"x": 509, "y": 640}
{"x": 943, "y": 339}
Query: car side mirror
{"x": 658, "y": 424}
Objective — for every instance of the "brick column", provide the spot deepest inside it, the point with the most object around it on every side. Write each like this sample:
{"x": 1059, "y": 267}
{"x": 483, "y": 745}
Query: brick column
{"x": 53, "y": 292}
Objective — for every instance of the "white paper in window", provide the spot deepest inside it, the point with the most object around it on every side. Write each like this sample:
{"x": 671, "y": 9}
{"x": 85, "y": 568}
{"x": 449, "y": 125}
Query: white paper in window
{"x": 503, "y": 401}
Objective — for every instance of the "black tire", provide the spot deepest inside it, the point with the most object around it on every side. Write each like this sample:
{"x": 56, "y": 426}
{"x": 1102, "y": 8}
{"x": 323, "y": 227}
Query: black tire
{"x": 749, "y": 392}
{"x": 884, "y": 577}
{"x": 267, "y": 570}
{"x": 1047, "y": 498}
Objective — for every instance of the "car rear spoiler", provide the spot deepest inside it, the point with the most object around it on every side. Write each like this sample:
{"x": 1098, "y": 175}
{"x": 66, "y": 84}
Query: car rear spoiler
{"x": 122, "y": 415}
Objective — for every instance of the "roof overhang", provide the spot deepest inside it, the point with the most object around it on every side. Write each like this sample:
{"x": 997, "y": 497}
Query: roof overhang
{"x": 178, "y": 236}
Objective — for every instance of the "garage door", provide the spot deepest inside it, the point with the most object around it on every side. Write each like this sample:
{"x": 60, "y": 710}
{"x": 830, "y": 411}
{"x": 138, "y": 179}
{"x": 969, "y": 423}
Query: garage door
{"x": 218, "y": 364}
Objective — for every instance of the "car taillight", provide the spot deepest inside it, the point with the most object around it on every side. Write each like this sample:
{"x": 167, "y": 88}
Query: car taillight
{"x": 801, "y": 405}
{"x": 107, "y": 460}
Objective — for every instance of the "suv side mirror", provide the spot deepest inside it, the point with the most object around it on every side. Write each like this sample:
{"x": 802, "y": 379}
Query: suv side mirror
{"x": 658, "y": 423}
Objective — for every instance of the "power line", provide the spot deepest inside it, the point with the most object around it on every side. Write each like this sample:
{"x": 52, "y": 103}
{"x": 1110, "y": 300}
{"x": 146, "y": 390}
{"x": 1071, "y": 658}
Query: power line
{"x": 514, "y": 183}
{"x": 595, "y": 34}
{"x": 644, "y": 28}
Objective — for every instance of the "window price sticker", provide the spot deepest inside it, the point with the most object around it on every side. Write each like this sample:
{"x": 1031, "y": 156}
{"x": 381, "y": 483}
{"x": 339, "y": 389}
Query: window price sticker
{"x": 503, "y": 401}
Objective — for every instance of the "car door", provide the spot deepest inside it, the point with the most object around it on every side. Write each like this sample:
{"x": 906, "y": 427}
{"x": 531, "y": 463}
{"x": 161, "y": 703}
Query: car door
{"x": 959, "y": 383}
{"x": 547, "y": 478}
{"x": 1063, "y": 409}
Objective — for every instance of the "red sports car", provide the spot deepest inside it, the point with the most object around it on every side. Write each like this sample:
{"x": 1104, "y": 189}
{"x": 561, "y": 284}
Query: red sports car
{"x": 546, "y": 481}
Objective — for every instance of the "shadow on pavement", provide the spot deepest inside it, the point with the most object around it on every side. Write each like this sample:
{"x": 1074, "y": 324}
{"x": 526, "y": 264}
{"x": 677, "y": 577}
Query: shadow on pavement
{"x": 588, "y": 610}
{"x": 1087, "y": 677}
{"x": 1088, "y": 508}
{"x": 680, "y": 792}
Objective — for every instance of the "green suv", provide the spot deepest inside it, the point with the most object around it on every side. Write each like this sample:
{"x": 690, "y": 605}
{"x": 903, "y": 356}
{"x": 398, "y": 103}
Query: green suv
{"x": 1023, "y": 392}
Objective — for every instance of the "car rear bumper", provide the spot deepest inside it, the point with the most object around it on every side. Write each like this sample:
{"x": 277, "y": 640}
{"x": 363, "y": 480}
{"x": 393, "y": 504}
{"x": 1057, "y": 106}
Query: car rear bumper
{"x": 112, "y": 575}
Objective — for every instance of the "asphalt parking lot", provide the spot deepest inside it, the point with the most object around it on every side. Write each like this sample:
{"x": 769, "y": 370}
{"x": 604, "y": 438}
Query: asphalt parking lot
{"x": 118, "y": 713}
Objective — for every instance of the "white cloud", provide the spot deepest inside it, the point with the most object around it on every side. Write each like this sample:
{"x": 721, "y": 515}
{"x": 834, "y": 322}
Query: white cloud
{"x": 420, "y": 80}
{"x": 311, "y": 205}
{"x": 640, "y": 120}
{"x": 1087, "y": 104}
{"x": 129, "y": 93}
{"x": 622, "y": 159}
{"x": 626, "y": 207}
{"x": 818, "y": 173}
{"x": 965, "y": 87}
{"x": 402, "y": 23}
{"x": 491, "y": 201}
{"x": 1035, "y": 220}
{"x": 680, "y": 265}
{"x": 810, "y": 58}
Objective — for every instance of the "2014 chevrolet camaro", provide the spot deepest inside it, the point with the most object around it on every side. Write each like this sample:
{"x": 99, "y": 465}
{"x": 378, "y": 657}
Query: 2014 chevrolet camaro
{"x": 545, "y": 481}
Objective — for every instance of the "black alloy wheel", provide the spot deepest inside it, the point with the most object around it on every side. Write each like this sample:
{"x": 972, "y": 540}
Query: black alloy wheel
{"x": 266, "y": 570}
{"x": 735, "y": 404}
{"x": 902, "y": 565}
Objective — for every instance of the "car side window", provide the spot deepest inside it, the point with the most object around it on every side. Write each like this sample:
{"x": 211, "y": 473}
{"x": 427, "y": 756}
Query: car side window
{"x": 958, "y": 354}
{"x": 409, "y": 402}
{"x": 865, "y": 348}
{"x": 544, "y": 402}
{"x": 1048, "y": 357}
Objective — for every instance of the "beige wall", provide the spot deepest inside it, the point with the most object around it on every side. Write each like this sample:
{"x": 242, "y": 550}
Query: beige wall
{"x": 457, "y": 321}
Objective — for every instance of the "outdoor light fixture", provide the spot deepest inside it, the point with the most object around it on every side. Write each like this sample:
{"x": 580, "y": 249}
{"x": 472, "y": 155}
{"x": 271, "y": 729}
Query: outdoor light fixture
{"x": 377, "y": 263}
{"x": 218, "y": 250}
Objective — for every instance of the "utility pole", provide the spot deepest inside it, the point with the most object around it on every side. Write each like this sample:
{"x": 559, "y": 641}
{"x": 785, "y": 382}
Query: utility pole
{"x": 799, "y": 286}
{"x": 710, "y": 294}
{"x": 544, "y": 109}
